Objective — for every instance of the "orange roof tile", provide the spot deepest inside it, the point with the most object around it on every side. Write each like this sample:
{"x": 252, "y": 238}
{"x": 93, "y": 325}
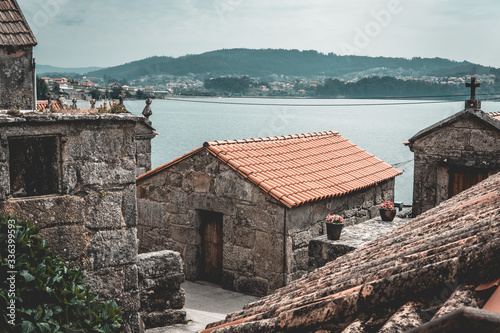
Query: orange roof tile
{"x": 42, "y": 105}
{"x": 297, "y": 169}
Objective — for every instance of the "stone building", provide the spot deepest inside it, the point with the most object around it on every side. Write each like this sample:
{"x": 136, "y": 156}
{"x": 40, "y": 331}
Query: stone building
{"x": 242, "y": 213}
{"x": 454, "y": 154}
{"x": 73, "y": 175}
{"x": 438, "y": 273}
{"x": 17, "y": 66}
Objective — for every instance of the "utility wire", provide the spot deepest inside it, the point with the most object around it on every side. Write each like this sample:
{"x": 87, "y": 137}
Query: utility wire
{"x": 321, "y": 105}
{"x": 401, "y": 163}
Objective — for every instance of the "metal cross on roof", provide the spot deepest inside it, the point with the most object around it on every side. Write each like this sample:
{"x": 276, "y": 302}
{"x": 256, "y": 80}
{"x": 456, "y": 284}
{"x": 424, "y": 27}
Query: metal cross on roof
{"x": 473, "y": 85}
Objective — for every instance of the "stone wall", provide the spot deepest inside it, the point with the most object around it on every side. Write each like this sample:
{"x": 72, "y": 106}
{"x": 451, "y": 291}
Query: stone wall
{"x": 467, "y": 143}
{"x": 171, "y": 204}
{"x": 17, "y": 77}
{"x": 307, "y": 222}
{"x": 162, "y": 298}
{"x": 257, "y": 258}
{"x": 90, "y": 221}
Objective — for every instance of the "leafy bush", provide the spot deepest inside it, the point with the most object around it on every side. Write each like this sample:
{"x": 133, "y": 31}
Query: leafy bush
{"x": 49, "y": 296}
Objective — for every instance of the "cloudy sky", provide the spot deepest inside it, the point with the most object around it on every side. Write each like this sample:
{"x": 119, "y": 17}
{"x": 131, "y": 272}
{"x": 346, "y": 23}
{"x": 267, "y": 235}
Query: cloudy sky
{"x": 76, "y": 33}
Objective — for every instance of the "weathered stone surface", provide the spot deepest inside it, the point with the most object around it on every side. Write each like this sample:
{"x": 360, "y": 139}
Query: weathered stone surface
{"x": 113, "y": 248}
{"x": 69, "y": 241}
{"x": 104, "y": 210}
{"x": 102, "y": 174}
{"x": 160, "y": 277}
{"x": 47, "y": 211}
{"x": 157, "y": 264}
{"x": 197, "y": 181}
{"x": 114, "y": 149}
{"x": 150, "y": 213}
{"x": 229, "y": 184}
{"x": 16, "y": 79}
{"x": 164, "y": 318}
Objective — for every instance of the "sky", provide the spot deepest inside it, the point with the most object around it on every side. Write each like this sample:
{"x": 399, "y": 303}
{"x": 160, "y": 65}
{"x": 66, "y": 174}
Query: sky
{"x": 103, "y": 33}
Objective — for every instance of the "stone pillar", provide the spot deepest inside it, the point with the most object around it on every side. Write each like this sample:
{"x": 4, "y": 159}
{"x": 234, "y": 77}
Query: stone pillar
{"x": 162, "y": 298}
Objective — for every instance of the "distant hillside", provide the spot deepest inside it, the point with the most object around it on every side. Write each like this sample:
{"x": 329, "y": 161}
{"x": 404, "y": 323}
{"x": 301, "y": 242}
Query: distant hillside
{"x": 260, "y": 63}
{"x": 43, "y": 69}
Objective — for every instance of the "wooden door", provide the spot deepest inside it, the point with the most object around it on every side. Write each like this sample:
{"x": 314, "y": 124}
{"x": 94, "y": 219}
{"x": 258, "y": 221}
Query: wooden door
{"x": 462, "y": 179}
{"x": 211, "y": 244}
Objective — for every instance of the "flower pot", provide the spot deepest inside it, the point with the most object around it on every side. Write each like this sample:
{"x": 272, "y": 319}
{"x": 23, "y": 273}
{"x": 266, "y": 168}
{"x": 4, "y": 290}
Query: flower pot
{"x": 333, "y": 230}
{"x": 387, "y": 215}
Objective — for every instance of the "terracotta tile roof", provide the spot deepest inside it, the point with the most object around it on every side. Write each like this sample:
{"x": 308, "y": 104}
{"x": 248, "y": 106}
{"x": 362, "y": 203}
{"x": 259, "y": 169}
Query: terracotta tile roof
{"x": 495, "y": 115}
{"x": 420, "y": 271}
{"x": 297, "y": 169}
{"x": 42, "y": 105}
{"x": 14, "y": 29}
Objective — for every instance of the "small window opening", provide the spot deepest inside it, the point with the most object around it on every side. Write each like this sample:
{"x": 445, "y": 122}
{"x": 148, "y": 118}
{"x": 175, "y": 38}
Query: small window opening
{"x": 34, "y": 166}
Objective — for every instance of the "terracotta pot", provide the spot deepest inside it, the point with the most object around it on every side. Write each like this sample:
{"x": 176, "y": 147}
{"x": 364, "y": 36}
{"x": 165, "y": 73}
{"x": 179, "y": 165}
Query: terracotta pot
{"x": 333, "y": 230}
{"x": 387, "y": 215}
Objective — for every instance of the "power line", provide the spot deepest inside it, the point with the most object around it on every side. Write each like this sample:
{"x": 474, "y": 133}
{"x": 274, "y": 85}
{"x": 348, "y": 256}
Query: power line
{"x": 318, "y": 105}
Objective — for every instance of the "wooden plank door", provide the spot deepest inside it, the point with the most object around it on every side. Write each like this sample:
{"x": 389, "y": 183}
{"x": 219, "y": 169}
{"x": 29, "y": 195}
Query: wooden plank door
{"x": 462, "y": 179}
{"x": 211, "y": 244}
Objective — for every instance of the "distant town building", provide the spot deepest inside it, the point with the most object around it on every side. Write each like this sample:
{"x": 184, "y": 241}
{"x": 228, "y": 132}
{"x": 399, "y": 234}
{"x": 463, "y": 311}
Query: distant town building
{"x": 17, "y": 66}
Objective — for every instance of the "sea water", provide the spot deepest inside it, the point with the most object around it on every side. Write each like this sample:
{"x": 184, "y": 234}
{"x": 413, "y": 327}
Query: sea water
{"x": 375, "y": 126}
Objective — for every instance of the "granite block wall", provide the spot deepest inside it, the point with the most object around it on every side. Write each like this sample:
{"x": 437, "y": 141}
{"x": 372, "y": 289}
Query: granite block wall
{"x": 90, "y": 217}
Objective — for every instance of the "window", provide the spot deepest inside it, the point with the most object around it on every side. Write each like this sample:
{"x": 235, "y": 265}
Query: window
{"x": 34, "y": 166}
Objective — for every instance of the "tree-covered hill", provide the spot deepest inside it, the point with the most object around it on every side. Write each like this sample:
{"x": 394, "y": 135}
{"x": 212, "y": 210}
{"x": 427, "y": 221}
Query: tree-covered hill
{"x": 264, "y": 62}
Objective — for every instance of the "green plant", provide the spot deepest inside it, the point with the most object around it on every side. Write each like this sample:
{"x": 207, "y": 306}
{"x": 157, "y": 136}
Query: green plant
{"x": 48, "y": 296}
{"x": 117, "y": 108}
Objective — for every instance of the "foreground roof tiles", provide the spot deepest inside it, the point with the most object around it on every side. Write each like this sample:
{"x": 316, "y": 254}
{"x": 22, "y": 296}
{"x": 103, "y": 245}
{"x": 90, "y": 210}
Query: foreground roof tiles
{"x": 14, "y": 30}
{"x": 419, "y": 272}
{"x": 495, "y": 115}
{"x": 297, "y": 169}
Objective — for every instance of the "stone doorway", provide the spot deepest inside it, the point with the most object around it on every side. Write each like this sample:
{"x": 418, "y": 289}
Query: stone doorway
{"x": 211, "y": 246}
{"x": 463, "y": 178}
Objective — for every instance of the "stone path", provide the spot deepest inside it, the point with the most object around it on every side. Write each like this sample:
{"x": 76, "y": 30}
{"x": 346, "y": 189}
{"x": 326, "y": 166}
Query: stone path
{"x": 206, "y": 303}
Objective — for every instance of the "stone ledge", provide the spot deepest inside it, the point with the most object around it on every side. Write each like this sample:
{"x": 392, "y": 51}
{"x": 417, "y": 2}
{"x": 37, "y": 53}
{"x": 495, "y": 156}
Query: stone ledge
{"x": 322, "y": 250}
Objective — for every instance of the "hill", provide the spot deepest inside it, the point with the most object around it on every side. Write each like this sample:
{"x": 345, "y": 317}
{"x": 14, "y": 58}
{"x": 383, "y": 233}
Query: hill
{"x": 265, "y": 62}
{"x": 44, "y": 69}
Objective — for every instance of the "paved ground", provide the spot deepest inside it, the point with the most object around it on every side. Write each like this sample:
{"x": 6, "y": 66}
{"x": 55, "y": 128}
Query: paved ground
{"x": 206, "y": 303}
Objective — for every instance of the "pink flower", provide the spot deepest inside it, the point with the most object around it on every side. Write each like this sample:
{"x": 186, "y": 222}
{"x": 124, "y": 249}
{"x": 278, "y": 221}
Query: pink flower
{"x": 332, "y": 218}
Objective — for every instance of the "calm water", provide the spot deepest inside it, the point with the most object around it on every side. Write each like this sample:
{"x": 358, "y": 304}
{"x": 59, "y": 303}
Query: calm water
{"x": 381, "y": 130}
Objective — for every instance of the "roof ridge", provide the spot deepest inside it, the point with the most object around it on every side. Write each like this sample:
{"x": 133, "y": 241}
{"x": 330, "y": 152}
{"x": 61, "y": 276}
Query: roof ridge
{"x": 271, "y": 138}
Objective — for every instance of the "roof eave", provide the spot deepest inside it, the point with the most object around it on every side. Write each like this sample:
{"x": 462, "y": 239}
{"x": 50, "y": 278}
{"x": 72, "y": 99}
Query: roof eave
{"x": 464, "y": 114}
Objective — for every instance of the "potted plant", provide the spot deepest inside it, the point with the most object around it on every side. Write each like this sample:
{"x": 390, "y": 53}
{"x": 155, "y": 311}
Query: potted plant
{"x": 334, "y": 225}
{"x": 387, "y": 211}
